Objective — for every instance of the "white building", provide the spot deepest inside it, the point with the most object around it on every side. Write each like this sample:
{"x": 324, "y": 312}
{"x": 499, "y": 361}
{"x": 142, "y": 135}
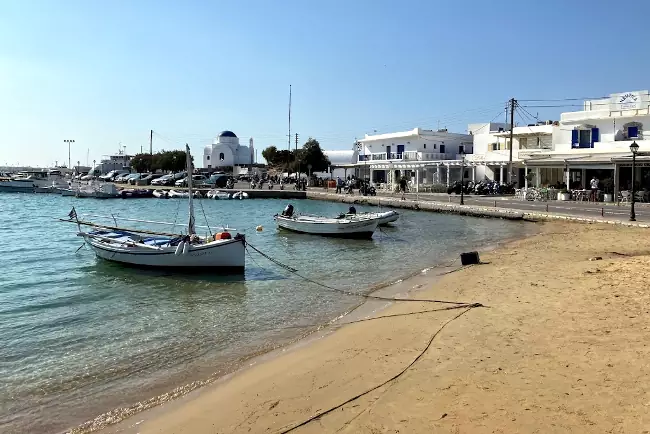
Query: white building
{"x": 493, "y": 148}
{"x": 424, "y": 156}
{"x": 342, "y": 164}
{"x": 596, "y": 142}
{"x": 119, "y": 161}
{"x": 225, "y": 150}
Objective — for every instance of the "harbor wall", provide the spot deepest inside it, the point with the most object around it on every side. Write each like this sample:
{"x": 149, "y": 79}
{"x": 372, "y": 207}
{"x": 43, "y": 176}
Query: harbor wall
{"x": 468, "y": 210}
{"x": 440, "y": 207}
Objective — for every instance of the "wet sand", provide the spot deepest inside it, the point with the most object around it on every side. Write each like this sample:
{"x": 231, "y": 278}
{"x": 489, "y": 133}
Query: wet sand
{"x": 561, "y": 344}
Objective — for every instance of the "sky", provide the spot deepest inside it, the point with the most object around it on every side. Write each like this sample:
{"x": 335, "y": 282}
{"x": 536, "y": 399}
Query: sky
{"x": 105, "y": 73}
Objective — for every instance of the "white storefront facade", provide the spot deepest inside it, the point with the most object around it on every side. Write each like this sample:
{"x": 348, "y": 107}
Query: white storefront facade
{"x": 423, "y": 156}
{"x": 595, "y": 142}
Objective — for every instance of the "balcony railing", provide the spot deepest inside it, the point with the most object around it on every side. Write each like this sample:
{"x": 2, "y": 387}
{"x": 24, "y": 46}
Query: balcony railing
{"x": 405, "y": 156}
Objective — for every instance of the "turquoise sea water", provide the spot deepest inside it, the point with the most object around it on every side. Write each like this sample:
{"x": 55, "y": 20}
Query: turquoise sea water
{"x": 79, "y": 336}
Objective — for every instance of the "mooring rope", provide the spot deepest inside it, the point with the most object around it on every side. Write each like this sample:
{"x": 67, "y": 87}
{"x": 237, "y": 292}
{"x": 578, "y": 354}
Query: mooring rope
{"x": 343, "y": 291}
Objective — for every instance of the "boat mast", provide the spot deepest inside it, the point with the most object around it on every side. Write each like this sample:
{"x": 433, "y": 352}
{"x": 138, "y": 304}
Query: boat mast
{"x": 190, "y": 226}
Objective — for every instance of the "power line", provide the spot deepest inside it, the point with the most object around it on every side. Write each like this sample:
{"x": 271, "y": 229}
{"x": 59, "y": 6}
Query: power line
{"x": 562, "y": 99}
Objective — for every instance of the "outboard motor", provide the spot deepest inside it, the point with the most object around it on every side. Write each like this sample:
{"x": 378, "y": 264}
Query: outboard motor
{"x": 288, "y": 211}
{"x": 352, "y": 210}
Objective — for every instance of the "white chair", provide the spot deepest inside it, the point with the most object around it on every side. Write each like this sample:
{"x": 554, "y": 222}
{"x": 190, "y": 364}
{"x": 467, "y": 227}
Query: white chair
{"x": 639, "y": 196}
{"x": 624, "y": 196}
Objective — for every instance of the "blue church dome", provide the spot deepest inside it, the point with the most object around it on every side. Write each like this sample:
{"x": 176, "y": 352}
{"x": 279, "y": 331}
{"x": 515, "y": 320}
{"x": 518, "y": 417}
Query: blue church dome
{"x": 227, "y": 134}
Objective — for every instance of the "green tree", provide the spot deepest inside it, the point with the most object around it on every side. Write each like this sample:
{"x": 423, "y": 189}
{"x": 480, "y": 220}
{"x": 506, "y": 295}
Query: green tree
{"x": 270, "y": 154}
{"x": 170, "y": 160}
{"x": 142, "y": 163}
{"x": 312, "y": 154}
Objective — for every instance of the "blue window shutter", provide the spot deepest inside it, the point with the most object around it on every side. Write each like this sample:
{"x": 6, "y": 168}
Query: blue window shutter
{"x": 595, "y": 136}
{"x": 632, "y": 132}
{"x": 574, "y": 138}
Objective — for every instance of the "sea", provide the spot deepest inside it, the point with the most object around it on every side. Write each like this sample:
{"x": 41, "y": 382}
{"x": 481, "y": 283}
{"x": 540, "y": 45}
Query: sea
{"x": 80, "y": 336}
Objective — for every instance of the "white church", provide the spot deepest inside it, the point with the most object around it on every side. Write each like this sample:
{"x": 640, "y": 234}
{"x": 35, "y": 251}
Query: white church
{"x": 225, "y": 150}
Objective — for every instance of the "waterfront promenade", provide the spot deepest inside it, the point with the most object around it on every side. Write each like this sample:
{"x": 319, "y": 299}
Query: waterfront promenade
{"x": 475, "y": 205}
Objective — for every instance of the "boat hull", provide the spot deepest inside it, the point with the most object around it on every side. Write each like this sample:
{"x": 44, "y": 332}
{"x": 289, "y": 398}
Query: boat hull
{"x": 360, "y": 229}
{"x": 225, "y": 255}
{"x": 383, "y": 218}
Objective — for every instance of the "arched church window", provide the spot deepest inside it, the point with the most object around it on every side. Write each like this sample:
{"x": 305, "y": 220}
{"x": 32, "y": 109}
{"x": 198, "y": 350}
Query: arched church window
{"x": 221, "y": 156}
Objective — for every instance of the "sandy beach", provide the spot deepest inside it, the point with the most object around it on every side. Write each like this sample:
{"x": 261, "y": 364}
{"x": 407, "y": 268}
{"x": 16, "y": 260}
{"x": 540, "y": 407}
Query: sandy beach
{"x": 560, "y": 344}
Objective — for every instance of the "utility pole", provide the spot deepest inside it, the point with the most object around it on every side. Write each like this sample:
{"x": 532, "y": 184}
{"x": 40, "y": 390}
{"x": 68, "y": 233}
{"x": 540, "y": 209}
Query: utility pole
{"x": 151, "y": 142}
{"x": 69, "y": 142}
{"x": 296, "y": 141}
{"x": 289, "y": 118}
{"x": 513, "y": 103}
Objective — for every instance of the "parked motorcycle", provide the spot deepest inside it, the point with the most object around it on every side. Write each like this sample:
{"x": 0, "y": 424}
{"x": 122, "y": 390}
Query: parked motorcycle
{"x": 367, "y": 189}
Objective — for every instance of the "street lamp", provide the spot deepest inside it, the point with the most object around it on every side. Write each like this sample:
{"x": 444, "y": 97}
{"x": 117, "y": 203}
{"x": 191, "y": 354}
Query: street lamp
{"x": 462, "y": 176}
{"x": 69, "y": 142}
{"x": 634, "y": 148}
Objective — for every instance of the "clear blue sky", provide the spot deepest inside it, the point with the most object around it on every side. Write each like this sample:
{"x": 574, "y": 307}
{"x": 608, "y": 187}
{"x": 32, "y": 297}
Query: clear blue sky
{"x": 104, "y": 72}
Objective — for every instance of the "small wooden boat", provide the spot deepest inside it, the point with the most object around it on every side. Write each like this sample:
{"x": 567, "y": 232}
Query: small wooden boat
{"x": 345, "y": 227}
{"x": 384, "y": 218}
{"x": 146, "y": 248}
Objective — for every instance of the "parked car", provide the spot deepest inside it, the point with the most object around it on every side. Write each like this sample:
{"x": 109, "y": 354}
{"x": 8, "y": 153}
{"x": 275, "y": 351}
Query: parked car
{"x": 150, "y": 177}
{"x": 123, "y": 177}
{"x": 110, "y": 176}
{"x": 87, "y": 177}
{"x": 136, "y": 177}
{"x": 196, "y": 180}
{"x": 218, "y": 180}
{"x": 162, "y": 180}
{"x": 244, "y": 178}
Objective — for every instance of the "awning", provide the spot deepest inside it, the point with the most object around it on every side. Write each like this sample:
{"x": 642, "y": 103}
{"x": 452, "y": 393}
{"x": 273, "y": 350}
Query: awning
{"x": 573, "y": 162}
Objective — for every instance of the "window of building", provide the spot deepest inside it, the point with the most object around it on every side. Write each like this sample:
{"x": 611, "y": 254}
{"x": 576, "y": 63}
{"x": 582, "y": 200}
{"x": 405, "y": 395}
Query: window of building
{"x": 495, "y": 146}
{"x": 207, "y": 157}
{"x": 523, "y": 143}
{"x": 442, "y": 149}
{"x": 425, "y": 146}
{"x": 222, "y": 156}
{"x": 434, "y": 146}
{"x": 633, "y": 130}
{"x": 461, "y": 149}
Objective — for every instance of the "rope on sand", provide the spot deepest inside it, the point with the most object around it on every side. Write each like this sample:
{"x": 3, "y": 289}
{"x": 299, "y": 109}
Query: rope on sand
{"x": 393, "y": 378}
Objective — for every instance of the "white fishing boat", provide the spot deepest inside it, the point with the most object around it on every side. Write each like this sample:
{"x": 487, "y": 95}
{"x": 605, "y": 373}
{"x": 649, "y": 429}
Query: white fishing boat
{"x": 56, "y": 188}
{"x": 343, "y": 227}
{"x": 177, "y": 194}
{"x": 240, "y": 195}
{"x": 216, "y": 194}
{"x": 146, "y": 248}
{"x": 96, "y": 190}
{"x": 383, "y": 218}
